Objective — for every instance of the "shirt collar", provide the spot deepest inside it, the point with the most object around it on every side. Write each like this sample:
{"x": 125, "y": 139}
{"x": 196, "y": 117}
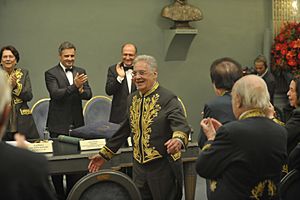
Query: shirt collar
{"x": 63, "y": 67}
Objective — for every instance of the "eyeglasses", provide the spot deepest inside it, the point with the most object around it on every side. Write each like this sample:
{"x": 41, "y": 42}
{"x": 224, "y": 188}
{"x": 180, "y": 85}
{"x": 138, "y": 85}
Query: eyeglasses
{"x": 140, "y": 72}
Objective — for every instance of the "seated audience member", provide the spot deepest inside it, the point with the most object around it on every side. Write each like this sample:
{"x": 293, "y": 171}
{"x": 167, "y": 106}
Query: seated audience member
{"x": 23, "y": 173}
{"x": 293, "y": 122}
{"x": 244, "y": 158}
{"x": 261, "y": 68}
{"x": 20, "y": 119}
{"x": 224, "y": 72}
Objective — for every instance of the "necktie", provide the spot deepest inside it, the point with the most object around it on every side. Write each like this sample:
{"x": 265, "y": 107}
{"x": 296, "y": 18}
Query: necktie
{"x": 69, "y": 70}
{"x": 127, "y": 68}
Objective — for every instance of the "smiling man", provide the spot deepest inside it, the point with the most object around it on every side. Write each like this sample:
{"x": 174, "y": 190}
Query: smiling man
{"x": 67, "y": 86}
{"x": 119, "y": 83}
{"x": 159, "y": 131}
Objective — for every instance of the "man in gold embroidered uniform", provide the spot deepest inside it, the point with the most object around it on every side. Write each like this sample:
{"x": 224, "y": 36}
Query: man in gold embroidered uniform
{"x": 159, "y": 131}
{"x": 244, "y": 158}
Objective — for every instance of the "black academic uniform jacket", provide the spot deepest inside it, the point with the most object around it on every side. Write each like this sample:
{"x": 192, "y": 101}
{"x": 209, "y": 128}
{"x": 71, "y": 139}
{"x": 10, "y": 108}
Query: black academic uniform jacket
{"x": 22, "y": 94}
{"x": 245, "y": 160}
{"x": 293, "y": 129}
{"x": 153, "y": 119}
{"x": 120, "y": 94}
{"x": 65, "y": 107}
{"x": 24, "y": 175}
{"x": 219, "y": 108}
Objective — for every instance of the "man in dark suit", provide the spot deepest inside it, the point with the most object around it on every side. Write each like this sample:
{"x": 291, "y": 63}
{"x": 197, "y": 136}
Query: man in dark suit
{"x": 67, "y": 86}
{"x": 24, "y": 174}
{"x": 261, "y": 68}
{"x": 244, "y": 158}
{"x": 119, "y": 83}
{"x": 224, "y": 72}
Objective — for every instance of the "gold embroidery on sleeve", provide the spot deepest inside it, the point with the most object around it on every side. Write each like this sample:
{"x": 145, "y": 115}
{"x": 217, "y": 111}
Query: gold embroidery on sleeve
{"x": 176, "y": 156}
{"x": 205, "y": 147}
{"x": 106, "y": 153}
{"x": 182, "y": 136}
{"x": 25, "y": 111}
{"x": 213, "y": 185}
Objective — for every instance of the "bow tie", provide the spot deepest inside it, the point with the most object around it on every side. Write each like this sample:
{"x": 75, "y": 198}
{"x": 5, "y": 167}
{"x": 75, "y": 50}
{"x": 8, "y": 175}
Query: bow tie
{"x": 69, "y": 70}
{"x": 127, "y": 68}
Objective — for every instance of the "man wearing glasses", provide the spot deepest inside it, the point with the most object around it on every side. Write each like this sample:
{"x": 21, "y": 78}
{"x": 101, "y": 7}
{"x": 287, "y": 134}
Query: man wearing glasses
{"x": 159, "y": 131}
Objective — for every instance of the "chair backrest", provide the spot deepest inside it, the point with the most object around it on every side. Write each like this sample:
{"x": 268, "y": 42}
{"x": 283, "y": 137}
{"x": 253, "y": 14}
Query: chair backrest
{"x": 40, "y": 113}
{"x": 185, "y": 114}
{"x": 182, "y": 107}
{"x": 97, "y": 109}
{"x": 105, "y": 185}
{"x": 290, "y": 185}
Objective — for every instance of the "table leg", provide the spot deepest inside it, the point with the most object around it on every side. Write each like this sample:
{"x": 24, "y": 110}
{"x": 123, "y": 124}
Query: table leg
{"x": 190, "y": 178}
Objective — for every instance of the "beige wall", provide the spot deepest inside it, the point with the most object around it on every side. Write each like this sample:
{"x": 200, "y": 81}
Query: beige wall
{"x": 232, "y": 28}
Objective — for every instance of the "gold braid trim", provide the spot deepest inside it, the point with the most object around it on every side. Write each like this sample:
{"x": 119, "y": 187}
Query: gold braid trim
{"x": 252, "y": 113}
{"x": 182, "y": 136}
{"x": 17, "y": 91}
{"x": 285, "y": 169}
{"x": 17, "y": 100}
{"x": 176, "y": 156}
{"x": 25, "y": 111}
{"x": 277, "y": 121}
{"x": 106, "y": 153}
{"x": 205, "y": 147}
{"x": 213, "y": 185}
{"x": 258, "y": 190}
{"x": 155, "y": 86}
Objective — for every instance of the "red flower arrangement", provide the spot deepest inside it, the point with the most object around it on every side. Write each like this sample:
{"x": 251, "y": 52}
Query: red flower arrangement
{"x": 286, "y": 49}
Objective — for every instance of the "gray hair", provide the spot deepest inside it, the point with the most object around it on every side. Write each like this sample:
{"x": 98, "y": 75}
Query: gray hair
{"x": 5, "y": 91}
{"x": 65, "y": 45}
{"x": 150, "y": 60}
{"x": 253, "y": 92}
